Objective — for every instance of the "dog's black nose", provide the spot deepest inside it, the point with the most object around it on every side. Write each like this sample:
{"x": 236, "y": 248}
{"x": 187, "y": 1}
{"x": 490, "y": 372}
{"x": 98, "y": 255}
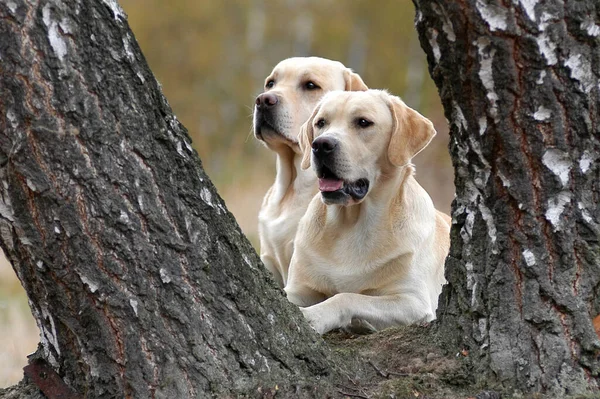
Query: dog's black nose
{"x": 266, "y": 100}
{"x": 323, "y": 146}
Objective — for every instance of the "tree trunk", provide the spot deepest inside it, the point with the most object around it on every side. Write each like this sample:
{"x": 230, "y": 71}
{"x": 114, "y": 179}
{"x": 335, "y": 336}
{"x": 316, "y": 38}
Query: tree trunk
{"x": 140, "y": 280}
{"x": 519, "y": 82}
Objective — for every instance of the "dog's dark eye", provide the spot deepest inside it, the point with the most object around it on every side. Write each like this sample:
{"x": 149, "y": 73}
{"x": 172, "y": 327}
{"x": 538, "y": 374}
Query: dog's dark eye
{"x": 270, "y": 84}
{"x": 320, "y": 123}
{"x": 362, "y": 122}
{"x": 311, "y": 86}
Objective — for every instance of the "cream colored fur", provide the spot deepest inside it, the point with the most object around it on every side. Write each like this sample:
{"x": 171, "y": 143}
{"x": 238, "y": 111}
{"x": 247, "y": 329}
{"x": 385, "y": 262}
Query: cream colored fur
{"x": 287, "y": 200}
{"x": 380, "y": 261}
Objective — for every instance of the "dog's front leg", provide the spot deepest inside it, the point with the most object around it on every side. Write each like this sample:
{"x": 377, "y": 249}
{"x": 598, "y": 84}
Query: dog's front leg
{"x": 330, "y": 314}
{"x": 302, "y": 296}
{"x": 380, "y": 311}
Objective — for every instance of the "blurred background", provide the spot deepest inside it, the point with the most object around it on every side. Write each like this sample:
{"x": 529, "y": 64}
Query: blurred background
{"x": 212, "y": 57}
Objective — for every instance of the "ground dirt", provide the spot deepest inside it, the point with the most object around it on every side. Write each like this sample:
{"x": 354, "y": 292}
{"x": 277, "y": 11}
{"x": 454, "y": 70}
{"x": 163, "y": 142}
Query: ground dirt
{"x": 402, "y": 362}
{"x": 410, "y": 362}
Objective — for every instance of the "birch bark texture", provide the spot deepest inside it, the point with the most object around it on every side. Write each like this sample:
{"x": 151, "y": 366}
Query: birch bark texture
{"x": 519, "y": 82}
{"x": 140, "y": 280}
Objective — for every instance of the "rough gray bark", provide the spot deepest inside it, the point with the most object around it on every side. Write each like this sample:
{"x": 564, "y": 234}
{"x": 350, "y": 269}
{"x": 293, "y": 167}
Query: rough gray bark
{"x": 519, "y": 82}
{"x": 139, "y": 278}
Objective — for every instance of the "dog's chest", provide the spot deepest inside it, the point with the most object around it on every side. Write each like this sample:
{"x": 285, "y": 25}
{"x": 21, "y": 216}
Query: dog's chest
{"x": 356, "y": 271}
{"x": 277, "y": 230}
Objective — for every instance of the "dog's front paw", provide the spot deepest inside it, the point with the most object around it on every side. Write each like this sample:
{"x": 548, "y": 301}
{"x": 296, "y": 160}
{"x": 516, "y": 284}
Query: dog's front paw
{"x": 316, "y": 319}
{"x": 360, "y": 327}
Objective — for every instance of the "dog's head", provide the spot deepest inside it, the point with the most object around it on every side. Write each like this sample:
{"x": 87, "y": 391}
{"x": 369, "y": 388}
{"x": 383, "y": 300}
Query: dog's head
{"x": 292, "y": 91}
{"x": 353, "y": 139}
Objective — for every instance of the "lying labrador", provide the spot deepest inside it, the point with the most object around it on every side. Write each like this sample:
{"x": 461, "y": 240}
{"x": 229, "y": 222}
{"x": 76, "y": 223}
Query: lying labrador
{"x": 371, "y": 246}
{"x": 292, "y": 91}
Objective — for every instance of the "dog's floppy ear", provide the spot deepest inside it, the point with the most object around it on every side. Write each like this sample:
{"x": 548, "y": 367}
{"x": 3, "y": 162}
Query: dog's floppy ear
{"x": 411, "y": 132}
{"x": 306, "y": 137}
{"x": 353, "y": 81}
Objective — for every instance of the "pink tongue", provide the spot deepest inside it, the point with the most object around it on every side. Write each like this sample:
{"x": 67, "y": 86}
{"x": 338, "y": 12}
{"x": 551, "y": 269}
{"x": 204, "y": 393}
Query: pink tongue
{"x": 330, "y": 184}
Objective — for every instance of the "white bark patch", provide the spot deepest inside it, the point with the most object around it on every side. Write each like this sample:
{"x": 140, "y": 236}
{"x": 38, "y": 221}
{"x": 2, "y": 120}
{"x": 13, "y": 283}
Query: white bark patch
{"x": 529, "y": 6}
{"x": 65, "y": 25}
{"x": 581, "y": 70}
{"x": 6, "y": 209}
{"x": 433, "y": 34}
{"x": 12, "y": 6}
{"x": 180, "y": 149}
{"x": 91, "y": 285}
{"x": 123, "y": 217}
{"x": 585, "y": 161}
{"x": 540, "y": 79}
{"x": 134, "y": 306}
{"x": 504, "y": 180}
{"x": 475, "y": 296}
{"x": 487, "y": 216}
{"x": 493, "y": 15}
{"x": 12, "y": 118}
{"x": 470, "y": 282}
{"x": 127, "y": 46}
{"x": 418, "y": 16}
{"x": 49, "y": 336}
{"x": 547, "y": 48}
{"x": 31, "y": 185}
{"x": 482, "y": 329}
{"x": 559, "y": 163}
{"x": 466, "y": 231}
{"x": 482, "y": 125}
{"x": 40, "y": 264}
{"x": 247, "y": 260}
{"x": 542, "y": 113}
{"x": 589, "y": 25}
{"x": 584, "y": 213}
{"x": 486, "y": 59}
{"x": 446, "y": 22}
{"x": 448, "y": 30}
{"x": 115, "y": 8}
{"x": 58, "y": 44}
{"x": 458, "y": 118}
{"x": 545, "y": 20}
{"x": 206, "y": 196}
{"x": 165, "y": 278}
{"x": 529, "y": 257}
{"x": 556, "y": 207}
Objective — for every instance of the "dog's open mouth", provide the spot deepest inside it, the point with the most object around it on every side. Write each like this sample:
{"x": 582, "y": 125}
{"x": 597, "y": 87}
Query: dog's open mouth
{"x": 336, "y": 190}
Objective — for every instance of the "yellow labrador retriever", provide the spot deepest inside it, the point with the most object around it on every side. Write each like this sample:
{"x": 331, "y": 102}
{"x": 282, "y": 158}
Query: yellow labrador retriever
{"x": 371, "y": 246}
{"x": 292, "y": 91}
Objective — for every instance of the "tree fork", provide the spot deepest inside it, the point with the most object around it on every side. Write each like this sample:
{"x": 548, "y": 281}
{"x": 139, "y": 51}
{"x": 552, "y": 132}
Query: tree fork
{"x": 140, "y": 280}
{"x": 519, "y": 82}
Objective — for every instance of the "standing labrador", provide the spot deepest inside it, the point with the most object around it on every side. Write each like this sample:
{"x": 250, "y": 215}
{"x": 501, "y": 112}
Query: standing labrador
{"x": 371, "y": 246}
{"x": 292, "y": 91}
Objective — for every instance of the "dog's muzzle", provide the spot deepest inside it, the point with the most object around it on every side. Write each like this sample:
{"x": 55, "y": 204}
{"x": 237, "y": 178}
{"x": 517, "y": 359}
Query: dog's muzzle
{"x": 264, "y": 118}
{"x": 334, "y": 189}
